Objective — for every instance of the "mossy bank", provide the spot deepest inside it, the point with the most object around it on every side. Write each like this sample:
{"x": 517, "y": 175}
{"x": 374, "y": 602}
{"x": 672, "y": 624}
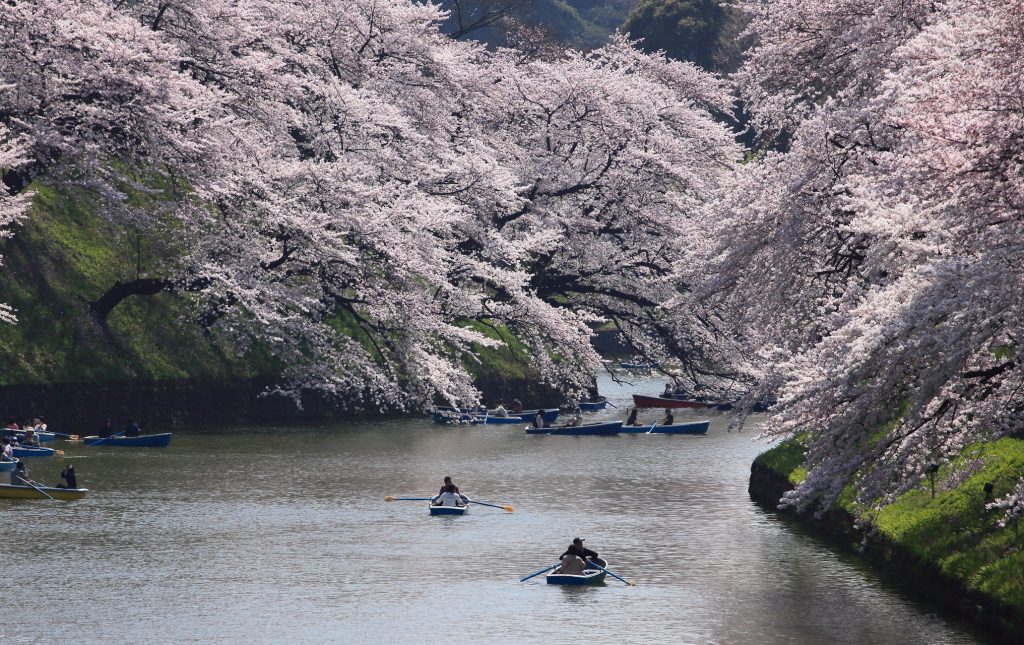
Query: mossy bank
{"x": 150, "y": 359}
{"x": 947, "y": 548}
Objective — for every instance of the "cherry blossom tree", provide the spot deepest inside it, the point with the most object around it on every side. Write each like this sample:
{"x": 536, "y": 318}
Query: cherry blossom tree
{"x": 875, "y": 277}
{"x": 12, "y": 207}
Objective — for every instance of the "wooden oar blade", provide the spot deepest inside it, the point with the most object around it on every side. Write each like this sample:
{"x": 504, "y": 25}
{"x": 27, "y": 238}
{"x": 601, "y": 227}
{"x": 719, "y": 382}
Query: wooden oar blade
{"x": 508, "y": 508}
{"x": 389, "y": 498}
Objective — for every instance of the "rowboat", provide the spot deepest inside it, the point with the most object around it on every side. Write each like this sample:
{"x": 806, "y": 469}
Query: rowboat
{"x": 607, "y": 429}
{"x": 691, "y": 427}
{"x": 489, "y": 420}
{"x": 679, "y": 401}
{"x": 21, "y": 451}
{"x": 638, "y": 365}
{"x": 148, "y": 440}
{"x": 445, "y": 414}
{"x": 449, "y": 510}
{"x": 589, "y": 576}
{"x": 28, "y": 492}
{"x": 42, "y": 435}
{"x": 550, "y": 414}
{"x": 592, "y": 406}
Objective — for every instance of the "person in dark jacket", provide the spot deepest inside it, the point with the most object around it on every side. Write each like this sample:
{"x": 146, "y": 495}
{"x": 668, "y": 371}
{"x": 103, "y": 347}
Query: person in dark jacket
{"x": 631, "y": 421}
{"x": 68, "y": 475}
{"x": 449, "y": 495}
{"x": 105, "y": 430}
{"x": 448, "y": 487}
{"x": 132, "y": 429}
{"x": 577, "y": 548}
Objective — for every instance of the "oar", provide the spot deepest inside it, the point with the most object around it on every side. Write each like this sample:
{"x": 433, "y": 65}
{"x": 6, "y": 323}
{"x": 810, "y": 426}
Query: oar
{"x": 389, "y": 498}
{"x": 73, "y": 437}
{"x": 33, "y": 485}
{"x": 611, "y": 404}
{"x": 505, "y": 507}
{"x": 109, "y": 437}
{"x": 652, "y": 428}
{"x": 594, "y": 564}
{"x": 538, "y": 573}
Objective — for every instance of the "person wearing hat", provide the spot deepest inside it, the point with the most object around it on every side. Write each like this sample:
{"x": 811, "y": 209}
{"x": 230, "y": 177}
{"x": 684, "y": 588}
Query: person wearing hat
{"x": 30, "y": 440}
{"x": 577, "y": 549}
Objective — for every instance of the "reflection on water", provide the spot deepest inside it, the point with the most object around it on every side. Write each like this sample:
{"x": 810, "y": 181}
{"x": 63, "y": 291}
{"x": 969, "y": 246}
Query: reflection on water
{"x": 282, "y": 535}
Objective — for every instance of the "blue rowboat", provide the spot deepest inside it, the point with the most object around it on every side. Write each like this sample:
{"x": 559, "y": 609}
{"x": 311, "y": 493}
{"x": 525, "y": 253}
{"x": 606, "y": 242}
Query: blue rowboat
{"x": 550, "y": 414}
{"x": 608, "y": 429}
{"x": 639, "y": 365}
{"x": 42, "y": 435}
{"x": 592, "y": 406}
{"x": 589, "y": 576}
{"x": 7, "y": 466}
{"x": 448, "y": 510}
{"x": 21, "y": 451}
{"x": 489, "y": 420}
{"x": 148, "y": 440}
{"x": 692, "y": 427}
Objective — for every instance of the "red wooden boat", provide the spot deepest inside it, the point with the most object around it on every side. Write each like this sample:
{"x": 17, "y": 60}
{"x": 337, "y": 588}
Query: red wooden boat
{"x": 642, "y": 401}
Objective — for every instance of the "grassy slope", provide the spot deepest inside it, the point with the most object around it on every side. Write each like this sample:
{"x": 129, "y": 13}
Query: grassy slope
{"x": 953, "y": 530}
{"x": 63, "y": 257}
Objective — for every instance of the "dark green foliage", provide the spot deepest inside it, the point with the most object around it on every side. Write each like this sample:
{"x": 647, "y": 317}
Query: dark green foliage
{"x": 685, "y": 29}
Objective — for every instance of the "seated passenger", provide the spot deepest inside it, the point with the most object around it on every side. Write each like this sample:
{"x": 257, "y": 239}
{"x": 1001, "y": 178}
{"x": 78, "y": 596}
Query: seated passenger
{"x": 500, "y": 411}
{"x": 132, "y": 429}
{"x": 30, "y": 440}
{"x": 667, "y": 419}
{"x": 572, "y": 565}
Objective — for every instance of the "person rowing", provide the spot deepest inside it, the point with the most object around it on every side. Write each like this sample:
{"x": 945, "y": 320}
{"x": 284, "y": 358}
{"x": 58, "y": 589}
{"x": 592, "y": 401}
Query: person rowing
{"x": 631, "y": 420}
{"x": 449, "y": 495}
{"x": 667, "y": 419}
{"x": 575, "y": 559}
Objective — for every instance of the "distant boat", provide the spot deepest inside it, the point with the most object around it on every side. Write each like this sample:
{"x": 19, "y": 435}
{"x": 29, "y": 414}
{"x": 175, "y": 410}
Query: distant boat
{"x": 644, "y": 401}
{"x": 22, "y": 451}
{"x": 607, "y": 429}
{"x": 691, "y": 427}
{"x": 147, "y": 440}
{"x": 42, "y": 435}
{"x": 598, "y": 403}
{"x": 639, "y": 365}
{"x": 445, "y": 414}
{"x": 681, "y": 401}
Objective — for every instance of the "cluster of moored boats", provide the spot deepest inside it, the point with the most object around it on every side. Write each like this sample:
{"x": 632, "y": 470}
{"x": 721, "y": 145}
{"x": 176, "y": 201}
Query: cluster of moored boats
{"x": 543, "y": 420}
{"x": 25, "y": 444}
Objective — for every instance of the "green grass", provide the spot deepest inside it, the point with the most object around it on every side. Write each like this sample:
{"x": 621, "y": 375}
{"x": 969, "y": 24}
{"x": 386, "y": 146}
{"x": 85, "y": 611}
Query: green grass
{"x": 953, "y": 531}
{"x": 787, "y": 459}
{"x": 66, "y": 255}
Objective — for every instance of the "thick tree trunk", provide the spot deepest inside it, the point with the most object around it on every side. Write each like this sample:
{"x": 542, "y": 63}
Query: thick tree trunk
{"x": 102, "y": 306}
